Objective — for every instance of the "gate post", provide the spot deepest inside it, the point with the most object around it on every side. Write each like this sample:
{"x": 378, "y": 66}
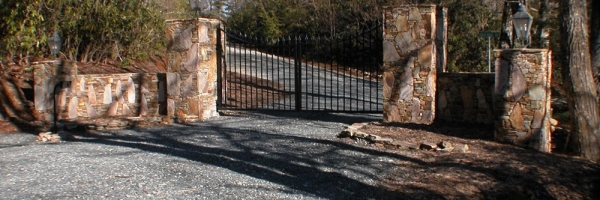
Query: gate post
{"x": 522, "y": 97}
{"x": 192, "y": 66}
{"x": 410, "y": 47}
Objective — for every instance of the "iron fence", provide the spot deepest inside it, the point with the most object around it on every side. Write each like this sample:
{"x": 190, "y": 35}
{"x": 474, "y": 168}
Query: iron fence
{"x": 301, "y": 73}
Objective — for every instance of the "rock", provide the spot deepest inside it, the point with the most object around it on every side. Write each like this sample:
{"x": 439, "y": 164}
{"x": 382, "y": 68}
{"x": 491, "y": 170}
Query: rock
{"x": 360, "y": 134}
{"x": 463, "y": 148}
{"x": 405, "y": 145}
{"x": 427, "y": 146}
{"x": 44, "y": 136}
{"x": 58, "y": 137}
{"x": 444, "y": 146}
{"x": 383, "y": 140}
{"x": 357, "y": 126}
{"x": 344, "y": 134}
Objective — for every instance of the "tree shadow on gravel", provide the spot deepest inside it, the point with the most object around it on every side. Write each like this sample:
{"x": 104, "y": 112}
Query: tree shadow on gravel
{"x": 345, "y": 118}
{"x": 304, "y": 165}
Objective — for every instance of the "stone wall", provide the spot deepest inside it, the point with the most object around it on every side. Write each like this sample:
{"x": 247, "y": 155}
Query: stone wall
{"x": 522, "y": 97}
{"x": 410, "y": 46}
{"x": 187, "y": 92}
{"x": 192, "y": 77}
{"x": 465, "y": 97}
{"x": 97, "y": 95}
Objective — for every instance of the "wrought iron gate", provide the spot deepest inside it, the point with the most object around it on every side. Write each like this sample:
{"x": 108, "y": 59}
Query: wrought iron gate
{"x": 335, "y": 74}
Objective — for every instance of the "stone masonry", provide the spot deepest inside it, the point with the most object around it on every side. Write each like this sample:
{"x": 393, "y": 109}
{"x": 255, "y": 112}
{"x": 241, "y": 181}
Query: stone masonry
{"x": 187, "y": 92}
{"x": 522, "y": 97}
{"x": 96, "y": 95}
{"x": 465, "y": 97}
{"x": 192, "y": 77}
{"x": 409, "y": 81}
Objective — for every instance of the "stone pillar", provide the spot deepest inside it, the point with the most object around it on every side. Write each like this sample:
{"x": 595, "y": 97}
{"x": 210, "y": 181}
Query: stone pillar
{"x": 46, "y": 77}
{"x": 192, "y": 69}
{"x": 522, "y": 97}
{"x": 409, "y": 56}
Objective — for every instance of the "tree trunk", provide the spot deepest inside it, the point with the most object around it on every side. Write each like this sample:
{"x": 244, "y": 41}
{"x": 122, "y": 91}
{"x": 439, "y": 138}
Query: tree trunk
{"x": 595, "y": 40}
{"x": 543, "y": 32}
{"x": 579, "y": 81}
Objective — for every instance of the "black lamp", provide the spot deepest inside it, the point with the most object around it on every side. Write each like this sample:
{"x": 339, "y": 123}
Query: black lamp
{"x": 55, "y": 44}
{"x": 522, "y": 23}
{"x": 200, "y": 5}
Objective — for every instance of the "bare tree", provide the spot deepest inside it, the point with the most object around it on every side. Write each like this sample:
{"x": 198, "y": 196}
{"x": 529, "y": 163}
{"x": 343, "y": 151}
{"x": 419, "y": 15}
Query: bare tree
{"x": 579, "y": 81}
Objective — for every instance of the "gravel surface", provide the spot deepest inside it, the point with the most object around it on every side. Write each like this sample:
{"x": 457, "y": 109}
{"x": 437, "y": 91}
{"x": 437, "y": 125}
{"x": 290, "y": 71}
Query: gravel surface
{"x": 238, "y": 156}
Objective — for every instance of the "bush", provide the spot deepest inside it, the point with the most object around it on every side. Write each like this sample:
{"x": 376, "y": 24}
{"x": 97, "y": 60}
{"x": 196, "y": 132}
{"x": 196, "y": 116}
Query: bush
{"x": 91, "y": 30}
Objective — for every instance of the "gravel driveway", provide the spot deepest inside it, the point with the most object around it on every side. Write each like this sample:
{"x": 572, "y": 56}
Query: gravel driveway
{"x": 239, "y": 156}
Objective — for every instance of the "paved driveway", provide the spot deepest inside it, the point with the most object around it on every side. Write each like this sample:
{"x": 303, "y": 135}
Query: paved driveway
{"x": 242, "y": 156}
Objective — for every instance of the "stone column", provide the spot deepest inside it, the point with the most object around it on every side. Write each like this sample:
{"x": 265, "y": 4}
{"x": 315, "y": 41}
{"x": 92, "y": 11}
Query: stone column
{"x": 409, "y": 56}
{"x": 192, "y": 69}
{"x": 522, "y": 97}
{"x": 46, "y": 77}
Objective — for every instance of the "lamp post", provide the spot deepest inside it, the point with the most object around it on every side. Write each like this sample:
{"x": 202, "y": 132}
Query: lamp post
{"x": 200, "y": 5}
{"x": 55, "y": 44}
{"x": 522, "y": 23}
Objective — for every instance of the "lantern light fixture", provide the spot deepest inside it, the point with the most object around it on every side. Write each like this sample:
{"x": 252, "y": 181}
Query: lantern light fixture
{"x": 55, "y": 44}
{"x": 522, "y": 24}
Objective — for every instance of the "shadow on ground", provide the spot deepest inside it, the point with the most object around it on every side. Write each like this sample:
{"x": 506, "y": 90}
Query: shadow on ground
{"x": 310, "y": 166}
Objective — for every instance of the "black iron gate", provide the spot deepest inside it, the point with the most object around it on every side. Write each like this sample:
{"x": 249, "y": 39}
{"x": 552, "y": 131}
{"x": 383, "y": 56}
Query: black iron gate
{"x": 336, "y": 74}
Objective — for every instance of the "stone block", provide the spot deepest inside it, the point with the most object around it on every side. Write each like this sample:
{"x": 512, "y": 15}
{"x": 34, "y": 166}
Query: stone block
{"x": 130, "y": 91}
{"x": 425, "y": 56}
{"x": 107, "y": 94}
{"x": 188, "y": 86}
{"x": 192, "y": 59}
{"x": 143, "y": 105}
{"x": 91, "y": 112}
{"x": 171, "y": 107}
{"x": 72, "y": 108}
{"x": 407, "y": 82}
{"x": 203, "y": 82}
{"x": 414, "y": 14}
{"x": 516, "y": 118}
{"x": 388, "y": 84}
{"x": 518, "y": 84}
{"x": 537, "y": 93}
{"x": 405, "y": 43}
{"x": 203, "y": 34}
{"x": 390, "y": 53}
{"x": 126, "y": 110}
{"x": 173, "y": 84}
{"x": 402, "y": 24}
{"x": 180, "y": 38}
{"x": 194, "y": 105}
{"x": 415, "y": 110}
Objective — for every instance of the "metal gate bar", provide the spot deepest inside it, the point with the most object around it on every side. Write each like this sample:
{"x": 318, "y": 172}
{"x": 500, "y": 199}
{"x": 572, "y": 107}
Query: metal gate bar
{"x": 335, "y": 74}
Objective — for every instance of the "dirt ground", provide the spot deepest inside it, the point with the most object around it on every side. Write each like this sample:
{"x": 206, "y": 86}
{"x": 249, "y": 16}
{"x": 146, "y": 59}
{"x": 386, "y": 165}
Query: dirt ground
{"x": 487, "y": 170}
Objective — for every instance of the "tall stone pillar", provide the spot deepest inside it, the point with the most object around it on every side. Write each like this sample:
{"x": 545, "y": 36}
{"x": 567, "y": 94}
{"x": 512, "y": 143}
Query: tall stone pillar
{"x": 522, "y": 97}
{"x": 192, "y": 69}
{"x": 410, "y": 55}
{"x": 53, "y": 81}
